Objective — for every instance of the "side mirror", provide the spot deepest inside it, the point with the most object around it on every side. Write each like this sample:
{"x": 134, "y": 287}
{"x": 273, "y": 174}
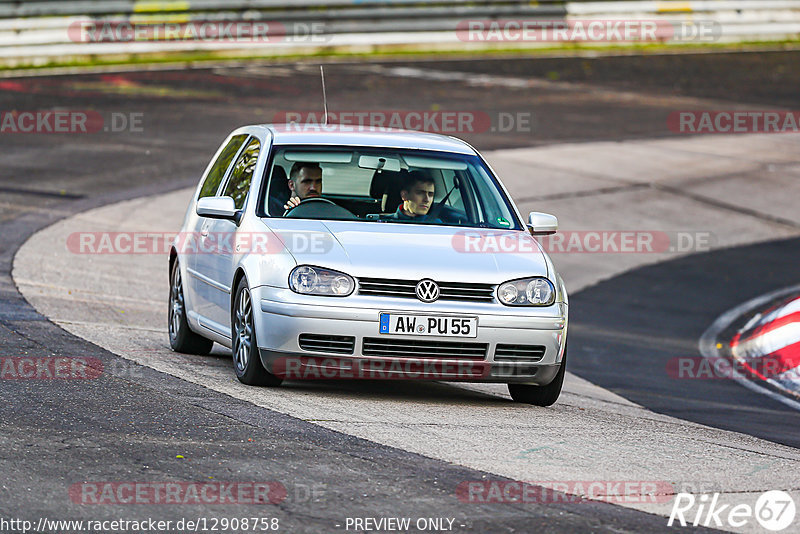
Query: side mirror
{"x": 542, "y": 223}
{"x": 217, "y": 208}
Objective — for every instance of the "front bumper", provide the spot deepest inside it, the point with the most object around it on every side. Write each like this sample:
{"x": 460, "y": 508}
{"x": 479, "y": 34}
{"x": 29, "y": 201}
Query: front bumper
{"x": 286, "y": 315}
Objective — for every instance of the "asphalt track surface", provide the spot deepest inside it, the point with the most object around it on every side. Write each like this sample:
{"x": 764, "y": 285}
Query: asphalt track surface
{"x": 629, "y": 350}
{"x": 121, "y": 428}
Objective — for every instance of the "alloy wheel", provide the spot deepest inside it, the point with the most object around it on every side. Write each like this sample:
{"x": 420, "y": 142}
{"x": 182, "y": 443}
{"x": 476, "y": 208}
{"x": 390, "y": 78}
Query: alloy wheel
{"x": 243, "y": 325}
{"x": 176, "y": 305}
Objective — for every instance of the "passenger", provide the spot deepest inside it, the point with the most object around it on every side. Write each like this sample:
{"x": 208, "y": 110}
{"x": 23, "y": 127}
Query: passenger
{"x": 417, "y": 193}
{"x": 305, "y": 181}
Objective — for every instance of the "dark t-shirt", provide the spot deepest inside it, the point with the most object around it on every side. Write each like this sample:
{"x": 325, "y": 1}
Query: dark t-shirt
{"x": 401, "y": 216}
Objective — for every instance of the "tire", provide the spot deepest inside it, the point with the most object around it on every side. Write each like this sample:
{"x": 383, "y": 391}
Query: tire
{"x": 244, "y": 346}
{"x": 540, "y": 395}
{"x": 181, "y": 338}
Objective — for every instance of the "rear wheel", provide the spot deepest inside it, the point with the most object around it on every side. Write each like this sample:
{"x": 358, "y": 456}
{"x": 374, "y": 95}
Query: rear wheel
{"x": 181, "y": 338}
{"x": 540, "y": 395}
{"x": 244, "y": 347}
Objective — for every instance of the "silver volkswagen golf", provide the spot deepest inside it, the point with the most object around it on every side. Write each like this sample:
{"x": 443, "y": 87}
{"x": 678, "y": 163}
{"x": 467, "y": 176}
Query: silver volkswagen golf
{"x": 330, "y": 252}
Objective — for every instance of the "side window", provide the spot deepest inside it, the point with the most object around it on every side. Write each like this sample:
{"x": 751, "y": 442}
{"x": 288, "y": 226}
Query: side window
{"x": 217, "y": 172}
{"x": 242, "y": 174}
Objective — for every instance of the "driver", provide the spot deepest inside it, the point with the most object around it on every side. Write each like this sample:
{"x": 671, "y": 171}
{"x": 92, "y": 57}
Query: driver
{"x": 305, "y": 181}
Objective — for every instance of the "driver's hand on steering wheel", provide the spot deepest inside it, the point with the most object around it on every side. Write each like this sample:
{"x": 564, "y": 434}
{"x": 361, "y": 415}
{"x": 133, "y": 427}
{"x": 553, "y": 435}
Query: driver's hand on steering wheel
{"x": 292, "y": 203}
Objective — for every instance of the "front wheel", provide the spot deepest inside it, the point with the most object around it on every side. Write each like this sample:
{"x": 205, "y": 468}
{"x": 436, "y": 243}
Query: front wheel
{"x": 244, "y": 347}
{"x": 540, "y": 395}
{"x": 181, "y": 338}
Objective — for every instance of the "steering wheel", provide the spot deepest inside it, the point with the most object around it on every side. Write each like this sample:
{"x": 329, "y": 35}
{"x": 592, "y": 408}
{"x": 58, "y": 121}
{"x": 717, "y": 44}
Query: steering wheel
{"x": 307, "y": 201}
{"x": 336, "y": 210}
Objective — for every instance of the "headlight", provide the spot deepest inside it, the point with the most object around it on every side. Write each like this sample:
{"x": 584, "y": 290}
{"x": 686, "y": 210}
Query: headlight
{"x": 308, "y": 280}
{"x": 527, "y": 292}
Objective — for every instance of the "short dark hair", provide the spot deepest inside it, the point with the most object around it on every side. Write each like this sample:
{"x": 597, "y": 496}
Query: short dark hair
{"x": 413, "y": 177}
{"x": 299, "y": 165}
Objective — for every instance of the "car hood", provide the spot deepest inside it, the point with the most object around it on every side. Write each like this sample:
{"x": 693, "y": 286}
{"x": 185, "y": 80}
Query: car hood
{"x": 410, "y": 251}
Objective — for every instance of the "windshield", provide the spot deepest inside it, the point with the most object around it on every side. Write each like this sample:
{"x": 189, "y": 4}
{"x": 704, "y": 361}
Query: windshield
{"x": 385, "y": 186}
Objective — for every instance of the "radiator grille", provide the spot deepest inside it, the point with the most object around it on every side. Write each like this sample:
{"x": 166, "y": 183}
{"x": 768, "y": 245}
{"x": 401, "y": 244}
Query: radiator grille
{"x": 518, "y": 353}
{"x": 326, "y": 343}
{"x": 405, "y": 348}
{"x": 387, "y": 287}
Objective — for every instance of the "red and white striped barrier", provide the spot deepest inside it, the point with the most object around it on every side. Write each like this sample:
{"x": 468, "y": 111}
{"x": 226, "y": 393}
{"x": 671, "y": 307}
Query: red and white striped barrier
{"x": 769, "y": 345}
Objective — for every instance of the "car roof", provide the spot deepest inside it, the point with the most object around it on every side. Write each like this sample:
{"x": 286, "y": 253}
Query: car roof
{"x": 354, "y": 135}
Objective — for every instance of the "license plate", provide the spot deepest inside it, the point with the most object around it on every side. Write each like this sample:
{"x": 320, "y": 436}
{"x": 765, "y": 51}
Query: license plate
{"x": 428, "y": 325}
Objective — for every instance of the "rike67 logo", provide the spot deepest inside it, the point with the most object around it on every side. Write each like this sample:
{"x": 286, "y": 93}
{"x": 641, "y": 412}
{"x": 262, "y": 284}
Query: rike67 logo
{"x": 774, "y": 510}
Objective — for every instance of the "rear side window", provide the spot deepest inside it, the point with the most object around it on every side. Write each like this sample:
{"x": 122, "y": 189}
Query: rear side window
{"x": 217, "y": 172}
{"x": 242, "y": 174}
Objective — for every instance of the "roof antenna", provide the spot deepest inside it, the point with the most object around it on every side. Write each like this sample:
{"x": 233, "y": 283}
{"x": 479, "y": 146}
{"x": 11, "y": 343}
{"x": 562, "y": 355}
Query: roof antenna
{"x": 324, "y": 96}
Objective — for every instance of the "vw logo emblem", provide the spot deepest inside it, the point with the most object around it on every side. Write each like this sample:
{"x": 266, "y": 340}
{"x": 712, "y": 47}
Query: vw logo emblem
{"x": 427, "y": 290}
